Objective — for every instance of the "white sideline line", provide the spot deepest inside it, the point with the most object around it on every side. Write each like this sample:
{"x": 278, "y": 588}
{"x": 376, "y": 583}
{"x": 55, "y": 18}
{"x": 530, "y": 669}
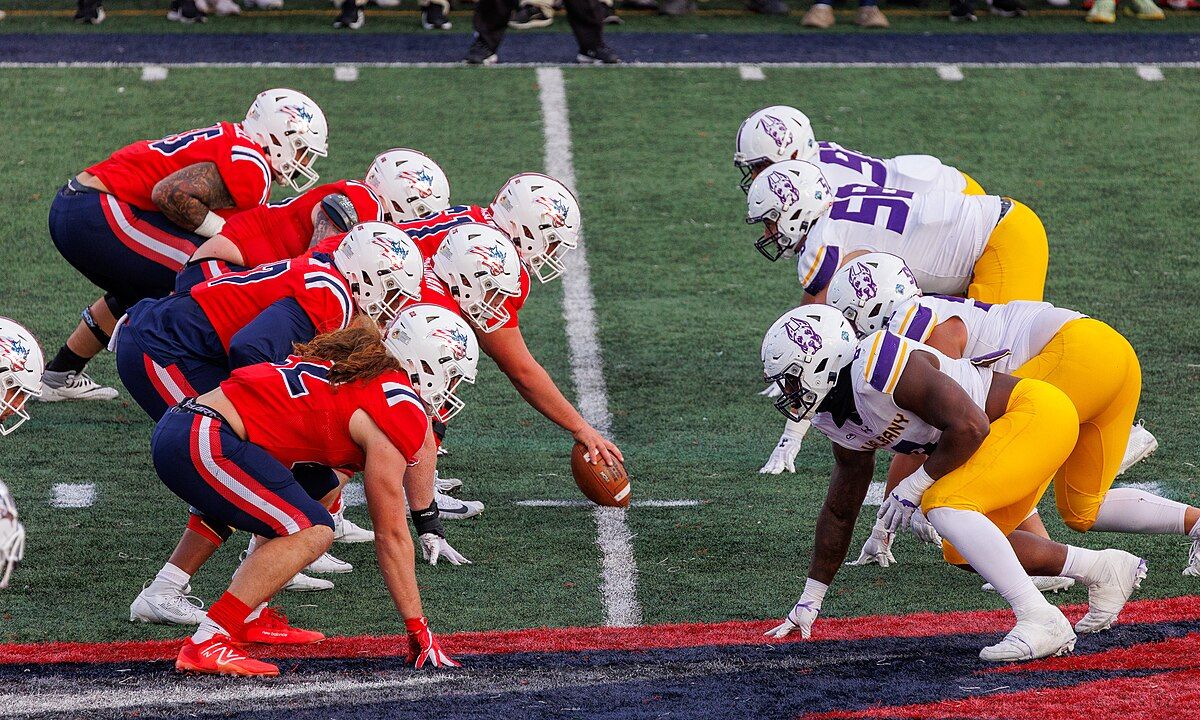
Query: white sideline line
{"x": 1150, "y": 73}
{"x": 589, "y": 503}
{"x": 1190, "y": 64}
{"x": 950, "y": 73}
{"x": 73, "y": 495}
{"x": 345, "y": 73}
{"x": 618, "y": 578}
{"x": 154, "y": 73}
{"x": 751, "y": 72}
{"x": 353, "y": 495}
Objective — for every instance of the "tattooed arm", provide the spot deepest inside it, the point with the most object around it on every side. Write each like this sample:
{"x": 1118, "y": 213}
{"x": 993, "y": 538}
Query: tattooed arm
{"x": 187, "y": 195}
{"x": 323, "y": 227}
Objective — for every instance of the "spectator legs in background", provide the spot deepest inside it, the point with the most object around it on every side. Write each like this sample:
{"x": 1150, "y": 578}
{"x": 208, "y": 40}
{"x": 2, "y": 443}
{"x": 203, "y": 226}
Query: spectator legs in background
{"x": 219, "y": 7}
{"x": 585, "y": 16}
{"x": 351, "y": 16}
{"x": 767, "y": 7}
{"x": 962, "y": 11}
{"x": 1105, "y": 11}
{"x": 186, "y": 12}
{"x": 263, "y": 4}
{"x": 532, "y": 14}
{"x": 820, "y": 15}
{"x": 435, "y": 14}
{"x": 1008, "y": 8}
{"x": 89, "y": 12}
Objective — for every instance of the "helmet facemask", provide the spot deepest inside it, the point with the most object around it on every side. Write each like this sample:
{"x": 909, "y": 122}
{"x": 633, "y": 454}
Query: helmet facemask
{"x": 796, "y": 401}
{"x": 12, "y": 536}
{"x": 14, "y": 398}
{"x": 750, "y": 170}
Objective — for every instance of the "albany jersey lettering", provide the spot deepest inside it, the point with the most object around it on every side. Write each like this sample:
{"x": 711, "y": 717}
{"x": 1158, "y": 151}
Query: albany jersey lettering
{"x": 283, "y": 230}
{"x": 131, "y": 173}
{"x": 291, "y": 410}
{"x": 915, "y": 173}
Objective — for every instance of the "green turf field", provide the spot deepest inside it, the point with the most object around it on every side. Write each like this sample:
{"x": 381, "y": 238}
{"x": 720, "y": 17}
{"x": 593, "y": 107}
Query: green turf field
{"x": 682, "y": 299}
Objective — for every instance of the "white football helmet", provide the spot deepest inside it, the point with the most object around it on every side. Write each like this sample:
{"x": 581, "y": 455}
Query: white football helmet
{"x": 383, "y": 266}
{"x": 772, "y": 135}
{"x": 12, "y": 536}
{"x": 21, "y": 368}
{"x": 870, "y": 288}
{"x": 541, "y": 217}
{"x": 438, "y": 350}
{"x": 292, "y": 130}
{"x": 787, "y": 197}
{"x": 409, "y": 184}
{"x": 480, "y": 266}
{"x": 803, "y": 353}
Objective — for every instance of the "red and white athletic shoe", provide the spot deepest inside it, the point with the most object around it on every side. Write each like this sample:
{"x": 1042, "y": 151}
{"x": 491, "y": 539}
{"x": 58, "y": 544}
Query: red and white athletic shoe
{"x": 423, "y": 647}
{"x": 220, "y": 656}
{"x": 272, "y": 628}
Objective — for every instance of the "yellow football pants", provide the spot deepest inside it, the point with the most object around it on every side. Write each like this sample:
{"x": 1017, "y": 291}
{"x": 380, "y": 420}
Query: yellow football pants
{"x": 1008, "y": 474}
{"x": 972, "y": 188}
{"x": 1099, "y": 371}
{"x": 1013, "y": 265}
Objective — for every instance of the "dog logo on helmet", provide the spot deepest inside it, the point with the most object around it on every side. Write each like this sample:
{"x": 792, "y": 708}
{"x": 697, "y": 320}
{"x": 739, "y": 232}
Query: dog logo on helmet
{"x": 781, "y": 185}
{"x": 14, "y": 352}
{"x": 456, "y": 340}
{"x": 862, "y": 282}
{"x": 802, "y": 333}
{"x": 492, "y": 258}
{"x": 776, "y": 129}
{"x": 556, "y": 210}
{"x": 420, "y": 180}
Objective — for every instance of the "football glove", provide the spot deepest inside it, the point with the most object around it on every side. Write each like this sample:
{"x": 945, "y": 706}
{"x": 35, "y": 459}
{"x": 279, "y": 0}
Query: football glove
{"x": 803, "y": 614}
{"x": 435, "y": 547}
{"x": 772, "y": 391}
{"x": 924, "y": 530}
{"x": 905, "y": 499}
{"x": 877, "y": 548}
{"x": 423, "y": 647}
{"x": 783, "y": 457}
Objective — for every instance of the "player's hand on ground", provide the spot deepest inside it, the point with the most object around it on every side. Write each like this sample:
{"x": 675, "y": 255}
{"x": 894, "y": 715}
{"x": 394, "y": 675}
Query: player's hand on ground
{"x": 423, "y": 647}
{"x": 877, "y": 550}
{"x": 783, "y": 457}
{"x": 771, "y": 391}
{"x": 435, "y": 547}
{"x": 925, "y": 530}
{"x": 598, "y": 446}
{"x": 897, "y": 509}
{"x": 801, "y": 618}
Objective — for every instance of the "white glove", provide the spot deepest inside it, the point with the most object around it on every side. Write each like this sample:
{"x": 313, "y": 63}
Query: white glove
{"x": 435, "y": 546}
{"x": 804, "y": 613}
{"x": 897, "y": 510}
{"x": 772, "y": 391}
{"x": 783, "y": 457}
{"x": 925, "y": 530}
{"x": 877, "y": 548}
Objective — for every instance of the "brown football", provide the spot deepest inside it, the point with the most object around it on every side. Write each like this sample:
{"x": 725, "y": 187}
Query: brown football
{"x": 600, "y": 483}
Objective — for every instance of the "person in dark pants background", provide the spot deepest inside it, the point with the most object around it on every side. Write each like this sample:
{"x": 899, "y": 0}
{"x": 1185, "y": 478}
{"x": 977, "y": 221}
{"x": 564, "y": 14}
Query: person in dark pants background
{"x": 585, "y": 16}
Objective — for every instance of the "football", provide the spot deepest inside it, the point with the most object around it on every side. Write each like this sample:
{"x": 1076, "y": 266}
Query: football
{"x": 601, "y": 484}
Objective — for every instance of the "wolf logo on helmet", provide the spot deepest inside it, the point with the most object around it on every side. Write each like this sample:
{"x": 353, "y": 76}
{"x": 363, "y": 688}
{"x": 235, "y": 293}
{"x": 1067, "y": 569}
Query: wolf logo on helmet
{"x": 393, "y": 249}
{"x": 862, "y": 282}
{"x": 14, "y": 352}
{"x": 783, "y": 188}
{"x": 802, "y": 333}
{"x": 456, "y": 339}
{"x": 493, "y": 258}
{"x": 421, "y": 180}
{"x": 297, "y": 112}
{"x": 556, "y": 210}
{"x": 776, "y": 129}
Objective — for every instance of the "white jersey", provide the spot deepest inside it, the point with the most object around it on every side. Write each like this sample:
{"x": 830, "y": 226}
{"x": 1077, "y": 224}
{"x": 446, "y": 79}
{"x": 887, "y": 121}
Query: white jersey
{"x": 1008, "y": 333}
{"x": 915, "y": 173}
{"x": 939, "y": 235}
{"x": 879, "y": 360}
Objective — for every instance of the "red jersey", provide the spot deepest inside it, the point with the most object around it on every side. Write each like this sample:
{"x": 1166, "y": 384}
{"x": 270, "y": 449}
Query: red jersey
{"x": 429, "y": 232}
{"x": 435, "y": 292}
{"x": 132, "y": 172}
{"x": 231, "y": 301}
{"x": 284, "y": 229}
{"x": 292, "y": 411}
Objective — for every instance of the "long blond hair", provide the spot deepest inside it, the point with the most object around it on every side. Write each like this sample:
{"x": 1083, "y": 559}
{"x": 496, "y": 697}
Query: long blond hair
{"x": 357, "y": 353}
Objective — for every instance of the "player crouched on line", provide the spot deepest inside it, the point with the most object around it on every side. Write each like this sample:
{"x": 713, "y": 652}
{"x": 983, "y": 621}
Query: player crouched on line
{"x": 21, "y": 366}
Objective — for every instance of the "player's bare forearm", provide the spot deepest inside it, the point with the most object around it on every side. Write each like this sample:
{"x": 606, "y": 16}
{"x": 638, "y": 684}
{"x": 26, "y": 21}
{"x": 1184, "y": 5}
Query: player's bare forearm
{"x": 187, "y": 195}
{"x": 419, "y": 478}
{"x": 924, "y": 390}
{"x": 383, "y": 485}
{"x": 848, "y": 485}
{"x": 507, "y": 347}
{"x": 219, "y": 247}
{"x": 323, "y": 227}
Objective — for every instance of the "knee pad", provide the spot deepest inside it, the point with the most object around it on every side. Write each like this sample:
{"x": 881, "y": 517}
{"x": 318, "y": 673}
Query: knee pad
{"x": 212, "y": 531}
{"x": 115, "y": 306}
{"x": 94, "y": 326}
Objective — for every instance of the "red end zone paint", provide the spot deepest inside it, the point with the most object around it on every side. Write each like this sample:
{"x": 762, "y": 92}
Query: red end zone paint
{"x": 602, "y": 638}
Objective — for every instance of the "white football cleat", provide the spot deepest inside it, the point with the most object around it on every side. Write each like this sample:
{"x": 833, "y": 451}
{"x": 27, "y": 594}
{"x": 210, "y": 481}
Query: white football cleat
{"x": 1042, "y": 634}
{"x": 446, "y": 485}
{"x": 59, "y": 386}
{"x": 164, "y": 604}
{"x": 1142, "y": 444}
{"x": 450, "y": 508}
{"x": 1044, "y": 583}
{"x": 304, "y": 583}
{"x": 346, "y": 531}
{"x": 1120, "y": 573}
{"x": 1193, "y": 566}
{"x": 263, "y": 4}
{"x": 224, "y": 8}
{"x": 329, "y": 565}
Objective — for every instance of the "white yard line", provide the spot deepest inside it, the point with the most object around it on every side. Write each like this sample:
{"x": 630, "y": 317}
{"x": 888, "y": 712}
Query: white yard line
{"x": 154, "y": 73}
{"x": 751, "y": 72}
{"x": 345, "y": 73}
{"x": 618, "y": 581}
{"x": 950, "y": 73}
{"x": 353, "y": 495}
{"x": 1150, "y": 73}
{"x": 73, "y": 495}
{"x": 589, "y": 503}
{"x": 7, "y": 65}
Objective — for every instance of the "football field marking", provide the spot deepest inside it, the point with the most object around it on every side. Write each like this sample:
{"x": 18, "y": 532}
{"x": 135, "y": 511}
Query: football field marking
{"x": 154, "y": 73}
{"x": 73, "y": 495}
{"x": 950, "y": 73}
{"x": 589, "y": 503}
{"x": 345, "y": 73}
{"x": 799, "y": 65}
{"x": 618, "y": 577}
{"x": 1150, "y": 73}
{"x": 751, "y": 72}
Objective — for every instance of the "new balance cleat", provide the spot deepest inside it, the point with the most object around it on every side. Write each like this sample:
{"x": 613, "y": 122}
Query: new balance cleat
{"x": 59, "y": 386}
{"x": 163, "y": 604}
{"x": 345, "y": 531}
{"x": 328, "y": 565}
{"x": 272, "y": 628}
{"x": 1045, "y": 633}
{"x": 1043, "y": 583}
{"x": 1141, "y": 445}
{"x": 1118, "y": 574}
{"x": 1145, "y": 10}
{"x": 305, "y": 583}
{"x": 220, "y": 656}
{"x": 450, "y": 508}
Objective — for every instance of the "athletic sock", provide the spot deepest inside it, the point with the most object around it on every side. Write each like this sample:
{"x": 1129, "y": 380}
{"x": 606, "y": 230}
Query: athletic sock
{"x": 255, "y": 541}
{"x": 1080, "y": 563}
{"x": 991, "y": 555}
{"x": 1135, "y": 511}
{"x": 67, "y": 361}
{"x": 172, "y": 576}
{"x": 226, "y": 616}
{"x": 255, "y": 613}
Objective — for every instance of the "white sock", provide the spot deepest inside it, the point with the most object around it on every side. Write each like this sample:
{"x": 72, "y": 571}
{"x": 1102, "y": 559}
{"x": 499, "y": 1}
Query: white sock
{"x": 256, "y": 612}
{"x": 207, "y": 629}
{"x": 1079, "y": 564}
{"x": 1135, "y": 511}
{"x": 991, "y": 555}
{"x": 172, "y": 576}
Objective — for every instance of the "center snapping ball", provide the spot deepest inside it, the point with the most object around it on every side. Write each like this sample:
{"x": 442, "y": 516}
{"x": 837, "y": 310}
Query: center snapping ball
{"x": 603, "y": 485}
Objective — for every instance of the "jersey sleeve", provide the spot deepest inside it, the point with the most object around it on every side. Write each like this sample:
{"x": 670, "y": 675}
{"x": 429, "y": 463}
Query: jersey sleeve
{"x": 366, "y": 203}
{"x": 916, "y": 323}
{"x": 247, "y": 176}
{"x": 400, "y": 414}
{"x": 816, "y": 266}
{"x": 323, "y": 294}
{"x": 887, "y": 354}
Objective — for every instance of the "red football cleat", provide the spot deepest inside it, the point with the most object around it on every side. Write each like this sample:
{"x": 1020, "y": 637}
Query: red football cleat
{"x": 220, "y": 656}
{"x": 271, "y": 628}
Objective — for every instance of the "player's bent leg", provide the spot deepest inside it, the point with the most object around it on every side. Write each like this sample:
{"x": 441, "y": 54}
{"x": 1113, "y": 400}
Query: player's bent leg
{"x": 166, "y": 599}
{"x": 972, "y": 188}
{"x": 64, "y": 377}
{"x": 1014, "y": 263}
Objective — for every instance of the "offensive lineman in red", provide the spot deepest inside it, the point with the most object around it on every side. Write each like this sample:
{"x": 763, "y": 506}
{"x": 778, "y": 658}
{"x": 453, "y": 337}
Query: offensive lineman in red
{"x": 130, "y": 223}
